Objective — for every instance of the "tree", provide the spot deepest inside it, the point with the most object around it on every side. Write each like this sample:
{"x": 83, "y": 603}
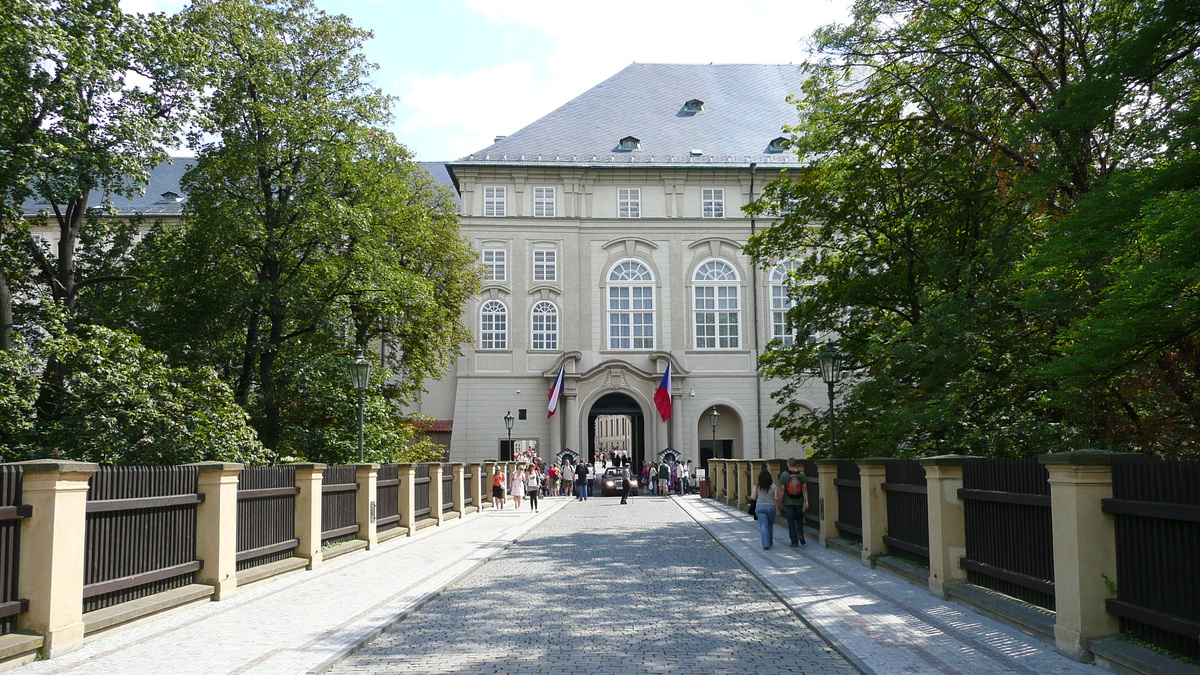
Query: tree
{"x": 942, "y": 144}
{"x": 306, "y": 222}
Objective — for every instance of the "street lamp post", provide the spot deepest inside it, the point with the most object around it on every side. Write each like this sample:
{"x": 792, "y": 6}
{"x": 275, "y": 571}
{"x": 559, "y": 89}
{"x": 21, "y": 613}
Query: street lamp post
{"x": 508, "y": 422}
{"x": 360, "y": 376}
{"x": 831, "y": 371}
{"x": 713, "y": 418}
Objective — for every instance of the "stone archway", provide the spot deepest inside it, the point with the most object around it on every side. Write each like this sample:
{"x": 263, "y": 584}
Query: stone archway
{"x": 617, "y": 403}
{"x": 726, "y": 444}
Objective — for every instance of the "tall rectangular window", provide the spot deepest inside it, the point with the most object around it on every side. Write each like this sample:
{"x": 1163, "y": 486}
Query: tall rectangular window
{"x": 543, "y": 202}
{"x": 714, "y": 202}
{"x": 545, "y": 265}
{"x": 494, "y": 262}
{"x": 629, "y": 202}
{"x": 494, "y": 200}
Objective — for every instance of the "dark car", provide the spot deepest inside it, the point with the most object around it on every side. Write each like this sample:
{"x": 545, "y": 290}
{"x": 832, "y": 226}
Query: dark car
{"x": 612, "y": 482}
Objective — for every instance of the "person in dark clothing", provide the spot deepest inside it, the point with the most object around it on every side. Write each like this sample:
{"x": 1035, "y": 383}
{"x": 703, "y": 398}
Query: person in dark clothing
{"x": 582, "y": 476}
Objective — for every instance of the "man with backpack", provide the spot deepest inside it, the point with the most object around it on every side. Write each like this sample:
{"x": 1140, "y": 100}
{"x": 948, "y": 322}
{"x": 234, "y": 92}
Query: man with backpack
{"x": 793, "y": 500}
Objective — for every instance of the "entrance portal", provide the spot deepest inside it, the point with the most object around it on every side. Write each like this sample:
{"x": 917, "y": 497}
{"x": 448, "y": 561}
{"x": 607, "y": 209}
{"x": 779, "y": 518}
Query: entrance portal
{"x": 619, "y": 404}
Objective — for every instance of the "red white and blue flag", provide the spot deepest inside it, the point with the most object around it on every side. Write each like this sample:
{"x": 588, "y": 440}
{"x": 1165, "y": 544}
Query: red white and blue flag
{"x": 556, "y": 392}
{"x": 662, "y": 396}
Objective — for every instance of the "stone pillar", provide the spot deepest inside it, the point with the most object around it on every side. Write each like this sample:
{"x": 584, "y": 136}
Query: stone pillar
{"x": 216, "y": 526}
{"x": 947, "y": 527}
{"x": 730, "y": 482}
{"x": 367, "y": 477}
{"x": 458, "y": 488}
{"x": 743, "y": 484}
{"x": 556, "y": 435}
{"x": 435, "y": 490}
{"x": 477, "y": 486}
{"x": 828, "y": 508}
{"x": 52, "y": 552}
{"x": 676, "y": 438}
{"x": 309, "y": 478}
{"x": 571, "y": 403}
{"x": 407, "y": 472}
{"x": 1085, "y": 549}
{"x": 872, "y": 473}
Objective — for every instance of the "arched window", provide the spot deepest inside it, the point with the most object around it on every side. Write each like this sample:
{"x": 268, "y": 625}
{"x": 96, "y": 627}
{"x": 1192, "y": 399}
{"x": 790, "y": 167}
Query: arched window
{"x": 781, "y": 302}
{"x": 716, "y": 314}
{"x": 544, "y": 326}
{"x": 493, "y": 325}
{"x": 630, "y": 306}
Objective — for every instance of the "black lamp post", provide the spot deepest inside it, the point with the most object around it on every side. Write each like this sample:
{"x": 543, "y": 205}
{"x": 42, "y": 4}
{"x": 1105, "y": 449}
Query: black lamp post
{"x": 508, "y": 422}
{"x": 713, "y": 418}
{"x": 831, "y": 371}
{"x": 360, "y": 376}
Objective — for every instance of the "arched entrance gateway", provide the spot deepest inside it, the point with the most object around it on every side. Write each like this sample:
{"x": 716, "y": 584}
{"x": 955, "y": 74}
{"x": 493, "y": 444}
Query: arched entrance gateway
{"x": 616, "y": 403}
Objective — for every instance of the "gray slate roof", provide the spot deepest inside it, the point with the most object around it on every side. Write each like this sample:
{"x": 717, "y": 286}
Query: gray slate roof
{"x": 441, "y": 175}
{"x": 163, "y": 178}
{"x": 745, "y": 108}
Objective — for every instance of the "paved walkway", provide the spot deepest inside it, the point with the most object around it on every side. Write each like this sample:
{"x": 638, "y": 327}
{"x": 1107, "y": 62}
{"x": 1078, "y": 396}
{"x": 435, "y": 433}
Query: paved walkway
{"x": 576, "y": 576}
{"x": 605, "y": 588}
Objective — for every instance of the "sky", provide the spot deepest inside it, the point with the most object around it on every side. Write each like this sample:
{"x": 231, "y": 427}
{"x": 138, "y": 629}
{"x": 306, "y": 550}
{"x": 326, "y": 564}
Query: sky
{"x": 466, "y": 71}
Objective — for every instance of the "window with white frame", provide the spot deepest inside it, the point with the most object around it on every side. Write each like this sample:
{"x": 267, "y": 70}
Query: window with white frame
{"x": 544, "y": 326}
{"x": 545, "y": 264}
{"x": 781, "y": 302}
{"x": 629, "y": 202}
{"x": 716, "y": 314}
{"x": 714, "y": 202}
{"x": 495, "y": 264}
{"x": 494, "y": 200}
{"x": 543, "y": 202}
{"x": 493, "y": 325}
{"x": 630, "y": 306}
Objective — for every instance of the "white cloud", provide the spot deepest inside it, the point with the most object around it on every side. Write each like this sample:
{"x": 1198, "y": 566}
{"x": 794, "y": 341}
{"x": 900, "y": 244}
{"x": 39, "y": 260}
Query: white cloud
{"x": 590, "y": 42}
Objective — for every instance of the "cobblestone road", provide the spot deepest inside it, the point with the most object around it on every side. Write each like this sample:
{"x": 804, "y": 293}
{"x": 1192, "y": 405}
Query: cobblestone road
{"x": 609, "y": 588}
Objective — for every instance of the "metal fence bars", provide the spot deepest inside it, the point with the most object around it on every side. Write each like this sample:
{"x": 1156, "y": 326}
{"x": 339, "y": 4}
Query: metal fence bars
{"x": 1156, "y": 508}
{"x": 12, "y": 512}
{"x": 907, "y": 509}
{"x": 387, "y": 498}
{"x": 812, "y": 515}
{"x": 339, "y": 521}
{"x": 421, "y": 482}
{"x": 266, "y": 515}
{"x": 1009, "y": 536}
{"x": 140, "y": 533}
{"x": 448, "y": 488}
{"x": 849, "y": 496}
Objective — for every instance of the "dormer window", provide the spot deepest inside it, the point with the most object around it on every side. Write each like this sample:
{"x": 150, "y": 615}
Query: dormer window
{"x": 629, "y": 143}
{"x": 777, "y": 145}
{"x": 169, "y": 197}
{"x": 693, "y": 106}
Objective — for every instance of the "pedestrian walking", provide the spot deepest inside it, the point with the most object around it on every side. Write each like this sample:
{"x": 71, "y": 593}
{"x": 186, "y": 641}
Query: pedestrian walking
{"x": 664, "y": 477}
{"x": 792, "y": 497}
{"x": 626, "y": 478}
{"x": 581, "y": 481}
{"x": 568, "y": 477}
{"x": 685, "y": 475}
{"x": 498, "y": 487}
{"x": 764, "y": 494}
{"x": 533, "y": 487}
{"x": 518, "y": 486}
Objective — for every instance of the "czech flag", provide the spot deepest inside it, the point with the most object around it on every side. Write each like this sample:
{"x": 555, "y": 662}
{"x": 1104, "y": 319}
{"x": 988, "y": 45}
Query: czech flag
{"x": 556, "y": 391}
{"x": 662, "y": 396}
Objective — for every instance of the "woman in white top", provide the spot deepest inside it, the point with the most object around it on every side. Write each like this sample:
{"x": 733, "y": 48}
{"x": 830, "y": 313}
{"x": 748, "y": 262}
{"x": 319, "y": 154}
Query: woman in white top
{"x": 518, "y": 487}
{"x": 533, "y": 485}
{"x": 765, "y": 492}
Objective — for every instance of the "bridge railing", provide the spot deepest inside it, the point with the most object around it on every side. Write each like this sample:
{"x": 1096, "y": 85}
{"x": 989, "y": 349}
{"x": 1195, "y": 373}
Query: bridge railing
{"x": 1108, "y": 542}
{"x": 84, "y": 548}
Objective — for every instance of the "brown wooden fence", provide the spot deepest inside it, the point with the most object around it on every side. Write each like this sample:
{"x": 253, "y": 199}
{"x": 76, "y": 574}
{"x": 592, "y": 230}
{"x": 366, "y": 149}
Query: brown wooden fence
{"x": 849, "y": 496}
{"x": 1156, "y": 507}
{"x": 447, "y": 488}
{"x": 423, "y": 509}
{"x": 387, "y": 498}
{"x": 468, "y": 493}
{"x": 1010, "y": 546}
{"x": 338, "y": 496}
{"x": 140, "y": 533}
{"x": 907, "y": 508}
{"x": 812, "y": 516}
{"x": 11, "y": 514}
{"x": 266, "y": 515}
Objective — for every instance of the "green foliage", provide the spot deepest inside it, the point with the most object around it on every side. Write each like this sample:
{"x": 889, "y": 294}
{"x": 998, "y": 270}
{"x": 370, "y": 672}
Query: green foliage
{"x": 949, "y": 229}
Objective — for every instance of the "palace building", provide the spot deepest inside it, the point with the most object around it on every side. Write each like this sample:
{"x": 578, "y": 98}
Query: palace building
{"x": 611, "y": 231}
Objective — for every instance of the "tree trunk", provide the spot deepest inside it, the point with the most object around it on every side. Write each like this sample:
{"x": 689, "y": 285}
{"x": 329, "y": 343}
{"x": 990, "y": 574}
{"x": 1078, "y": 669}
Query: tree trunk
{"x": 270, "y": 393}
{"x": 241, "y": 393}
{"x": 6, "y": 314}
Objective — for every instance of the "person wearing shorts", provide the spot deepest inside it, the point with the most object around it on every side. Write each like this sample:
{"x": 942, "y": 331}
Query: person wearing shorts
{"x": 498, "y": 488}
